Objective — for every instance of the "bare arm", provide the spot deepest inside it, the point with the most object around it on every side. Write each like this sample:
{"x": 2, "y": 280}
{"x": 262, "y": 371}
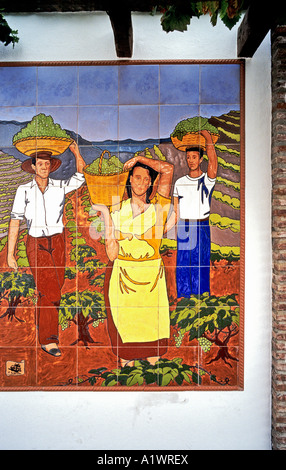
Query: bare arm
{"x": 111, "y": 242}
{"x": 12, "y": 240}
{"x": 80, "y": 163}
{"x": 164, "y": 169}
{"x": 173, "y": 219}
{"x": 211, "y": 153}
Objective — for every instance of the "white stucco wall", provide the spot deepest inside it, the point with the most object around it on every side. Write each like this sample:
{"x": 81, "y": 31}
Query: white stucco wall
{"x": 175, "y": 420}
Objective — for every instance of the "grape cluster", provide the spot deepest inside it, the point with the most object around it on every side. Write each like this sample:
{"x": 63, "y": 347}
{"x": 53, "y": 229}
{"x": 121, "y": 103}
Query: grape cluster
{"x": 96, "y": 322}
{"x": 179, "y": 338}
{"x": 205, "y": 344}
{"x": 64, "y": 325}
{"x": 194, "y": 124}
{"x": 108, "y": 167}
{"x": 41, "y": 126}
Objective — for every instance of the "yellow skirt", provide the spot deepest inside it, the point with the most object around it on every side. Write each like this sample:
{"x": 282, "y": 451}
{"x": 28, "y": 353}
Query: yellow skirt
{"x": 139, "y": 301}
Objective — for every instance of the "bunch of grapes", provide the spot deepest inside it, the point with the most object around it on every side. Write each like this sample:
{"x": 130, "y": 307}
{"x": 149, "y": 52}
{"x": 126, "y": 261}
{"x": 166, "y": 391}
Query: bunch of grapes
{"x": 64, "y": 325}
{"x": 205, "y": 344}
{"x": 108, "y": 167}
{"x": 97, "y": 322}
{"x": 194, "y": 124}
{"x": 179, "y": 338}
{"x": 41, "y": 125}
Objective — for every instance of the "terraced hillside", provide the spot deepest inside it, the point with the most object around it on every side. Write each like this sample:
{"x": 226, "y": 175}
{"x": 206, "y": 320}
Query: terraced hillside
{"x": 226, "y": 204}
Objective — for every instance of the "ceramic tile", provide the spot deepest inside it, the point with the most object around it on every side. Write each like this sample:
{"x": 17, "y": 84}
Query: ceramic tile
{"x": 179, "y": 84}
{"x": 225, "y": 277}
{"x": 98, "y": 85}
{"x": 139, "y": 122}
{"x": 139, "y": 84}
{"x": 180, "y": 372}
{"x": 57, "y": 86}
{"x": 18, "y": 86}
{"x": 18, "y": 367}
{"x": 128, "y": 312}
{"x": 171, "y": 115}
{"x": 220, "y": 84}
{"x": 17, "y": 324}
{"x": 90, "y": 362}
{"x": 63, "y": 369}
{"x": 98, "y": 123}
{"x": 65, "y": 116}
{"x": 219, "y": 367}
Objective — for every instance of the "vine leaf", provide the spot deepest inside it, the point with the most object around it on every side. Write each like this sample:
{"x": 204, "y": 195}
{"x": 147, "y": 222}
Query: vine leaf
{"x": 7, "y": 34}
{"x": 173, "y": 20}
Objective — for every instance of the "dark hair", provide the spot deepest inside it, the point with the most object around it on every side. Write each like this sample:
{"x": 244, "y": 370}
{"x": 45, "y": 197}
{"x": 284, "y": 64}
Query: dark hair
{"x": 196, "y": 149}
{"x": 153, "y": 175}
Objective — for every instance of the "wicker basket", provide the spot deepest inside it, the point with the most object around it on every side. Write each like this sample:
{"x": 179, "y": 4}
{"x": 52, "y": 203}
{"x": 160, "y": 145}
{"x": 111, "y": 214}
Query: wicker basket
{"x": 55, "y": 145}
{"x": 105, "y": 189}
{"x": 192, "y": 139}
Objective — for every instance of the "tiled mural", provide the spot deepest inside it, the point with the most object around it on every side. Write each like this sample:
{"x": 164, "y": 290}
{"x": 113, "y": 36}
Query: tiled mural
{"x": 122, "y": 226}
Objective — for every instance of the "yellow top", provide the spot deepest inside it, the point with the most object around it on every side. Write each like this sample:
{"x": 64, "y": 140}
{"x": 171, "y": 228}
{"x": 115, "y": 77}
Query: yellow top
{"x": 140, "y": 237}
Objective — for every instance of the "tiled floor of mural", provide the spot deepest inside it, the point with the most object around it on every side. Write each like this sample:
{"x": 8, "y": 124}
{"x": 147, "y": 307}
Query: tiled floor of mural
{"x": 121, "y": 246}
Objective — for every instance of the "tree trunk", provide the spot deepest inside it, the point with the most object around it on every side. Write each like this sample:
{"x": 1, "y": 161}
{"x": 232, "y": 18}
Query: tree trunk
{"x": 83, "y": 330}
{"x": 11, "y": 310}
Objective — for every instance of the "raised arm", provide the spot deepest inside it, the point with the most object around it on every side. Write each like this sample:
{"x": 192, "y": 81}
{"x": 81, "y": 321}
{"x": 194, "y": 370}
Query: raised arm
{"x": 211, "y": 153}
{"x": 80, "y": 163}
{"x": 164, "y": 169}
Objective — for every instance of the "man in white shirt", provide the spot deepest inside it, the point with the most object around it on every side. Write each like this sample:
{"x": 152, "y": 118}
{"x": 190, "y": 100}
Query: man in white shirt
{"x": 41, "y": 203}
{"x": 192, "y": 199}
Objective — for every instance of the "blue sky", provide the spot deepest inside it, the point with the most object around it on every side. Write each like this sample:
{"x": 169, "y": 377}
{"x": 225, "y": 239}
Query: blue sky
{"x": 119, "y": 102}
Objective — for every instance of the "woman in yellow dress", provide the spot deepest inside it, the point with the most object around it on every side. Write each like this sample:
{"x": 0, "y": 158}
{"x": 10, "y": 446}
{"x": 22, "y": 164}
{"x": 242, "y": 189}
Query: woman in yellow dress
{"x": 136, "y": 292}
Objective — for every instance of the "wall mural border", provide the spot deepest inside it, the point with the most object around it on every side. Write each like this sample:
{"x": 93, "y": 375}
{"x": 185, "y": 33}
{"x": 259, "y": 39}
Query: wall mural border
{"x": 117, "y": 117}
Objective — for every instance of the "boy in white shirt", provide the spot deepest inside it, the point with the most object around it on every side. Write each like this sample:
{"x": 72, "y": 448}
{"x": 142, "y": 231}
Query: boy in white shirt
{"x": 192, "y": 199}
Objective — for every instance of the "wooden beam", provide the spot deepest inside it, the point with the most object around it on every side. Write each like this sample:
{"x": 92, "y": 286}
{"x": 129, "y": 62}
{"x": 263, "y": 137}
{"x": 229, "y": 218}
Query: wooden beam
{"x": 121, "y": 23}
{"x": 38, "y": 6}
{"x": 257, "y": 22}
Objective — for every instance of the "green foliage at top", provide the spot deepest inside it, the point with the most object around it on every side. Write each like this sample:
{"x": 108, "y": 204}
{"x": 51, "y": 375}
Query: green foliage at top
{"x": 178, "y": 17}
{"x": 41, "y": 126}
{"x": 194, "y": 124}
{"x": 108, "y": 167}
{"x": 7, "y": 34}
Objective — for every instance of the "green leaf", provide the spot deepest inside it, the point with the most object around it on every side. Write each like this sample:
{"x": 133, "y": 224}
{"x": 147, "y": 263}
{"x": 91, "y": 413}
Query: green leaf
{"x": 230, "y": 22}
{"x": 186, "y": 377}
{"x": 196, "y": 378}
{"x": 174, "y": 20}
{"x": 134, "y": 379}
{"x": 166, "y": 379}
{"x": 179, "y": 379}
{"x": 150, "y": 378}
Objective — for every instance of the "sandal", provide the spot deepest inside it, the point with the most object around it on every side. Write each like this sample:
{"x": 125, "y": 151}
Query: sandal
{"x": 53, "y": 351}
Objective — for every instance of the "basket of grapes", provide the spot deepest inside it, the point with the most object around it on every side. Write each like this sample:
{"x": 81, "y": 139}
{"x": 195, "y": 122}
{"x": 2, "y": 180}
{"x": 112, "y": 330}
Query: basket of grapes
{"x": 106, "y": 180}
{"x": 187, "y": 133}
{"x": 42, "y": 135}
